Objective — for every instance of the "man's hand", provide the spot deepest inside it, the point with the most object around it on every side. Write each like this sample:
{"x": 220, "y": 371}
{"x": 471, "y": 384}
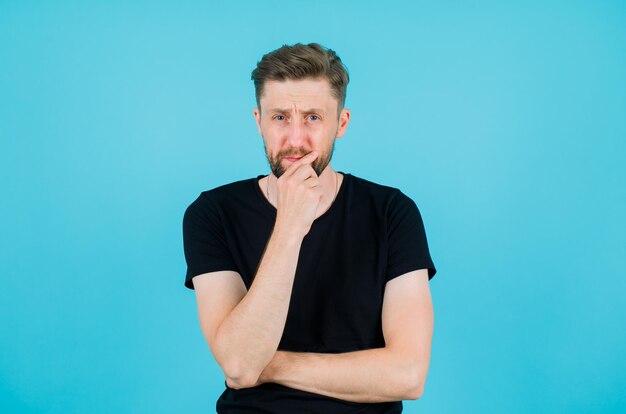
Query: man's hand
{"x": 298, "y": 195}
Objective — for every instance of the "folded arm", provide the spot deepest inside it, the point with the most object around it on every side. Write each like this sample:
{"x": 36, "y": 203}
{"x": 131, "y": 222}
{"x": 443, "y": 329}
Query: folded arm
{"x": 396, "y": 372}
{"x": 243, "y": 328}
{"x": 232, "y": 318}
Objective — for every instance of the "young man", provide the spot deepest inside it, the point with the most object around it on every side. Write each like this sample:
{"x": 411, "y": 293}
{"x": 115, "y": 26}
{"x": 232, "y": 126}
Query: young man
{"x": 312, "y": 284}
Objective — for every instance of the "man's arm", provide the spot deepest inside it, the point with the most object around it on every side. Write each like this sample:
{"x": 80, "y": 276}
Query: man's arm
{"x": 243, "y": 330}
{"x": 396, "y": 372}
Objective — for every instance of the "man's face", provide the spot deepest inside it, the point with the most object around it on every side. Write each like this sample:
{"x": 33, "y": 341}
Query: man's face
{"x": 297, "y": 117}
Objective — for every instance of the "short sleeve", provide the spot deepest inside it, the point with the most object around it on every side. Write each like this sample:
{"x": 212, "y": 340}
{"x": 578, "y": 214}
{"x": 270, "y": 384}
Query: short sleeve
{"x": 407, "y": 246}
{"x": 204, "y": 240}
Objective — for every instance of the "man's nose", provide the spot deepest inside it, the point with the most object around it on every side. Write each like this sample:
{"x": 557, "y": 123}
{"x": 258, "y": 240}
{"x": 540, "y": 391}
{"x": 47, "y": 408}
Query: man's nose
{"x": 296, "y": 132}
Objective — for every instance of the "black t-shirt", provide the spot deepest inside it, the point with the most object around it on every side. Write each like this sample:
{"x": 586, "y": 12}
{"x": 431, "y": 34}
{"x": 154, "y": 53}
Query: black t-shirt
{"x": 369, "y": 235}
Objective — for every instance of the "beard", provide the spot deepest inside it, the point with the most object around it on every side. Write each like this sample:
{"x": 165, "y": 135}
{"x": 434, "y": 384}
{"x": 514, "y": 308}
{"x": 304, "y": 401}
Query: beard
{"x": 319, "y": 164}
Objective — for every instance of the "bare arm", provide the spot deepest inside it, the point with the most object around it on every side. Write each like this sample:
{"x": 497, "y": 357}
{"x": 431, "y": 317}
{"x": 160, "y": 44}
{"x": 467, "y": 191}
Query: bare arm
{"x": 248, "y": 337}
{"x": 244, "y": 329}
{"x": 396, "y": 372}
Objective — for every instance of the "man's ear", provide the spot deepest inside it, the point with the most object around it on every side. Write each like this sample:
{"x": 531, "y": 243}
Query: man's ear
{"x": 344, "y": 120}
{"x": 257, "y": 118}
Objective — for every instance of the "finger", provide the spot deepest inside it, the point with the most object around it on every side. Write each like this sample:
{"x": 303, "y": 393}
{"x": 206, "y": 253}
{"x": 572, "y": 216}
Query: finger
{"x": 304, "y": 172}
{"x": 312, "y": 182}
{"x": 307, "y": 159}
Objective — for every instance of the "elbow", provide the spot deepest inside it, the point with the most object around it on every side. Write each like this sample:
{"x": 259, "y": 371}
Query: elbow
{"x": 239, "y": 382}
{"x": 238, "y": 373}
{"x": 415, "y": 392}
{"x": 237, "y": 376}
{"x": 414, "y": 385}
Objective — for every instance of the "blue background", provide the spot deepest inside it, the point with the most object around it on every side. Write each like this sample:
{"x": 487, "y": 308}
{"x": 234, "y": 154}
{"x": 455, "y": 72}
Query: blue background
{"x": 504, "y": 121}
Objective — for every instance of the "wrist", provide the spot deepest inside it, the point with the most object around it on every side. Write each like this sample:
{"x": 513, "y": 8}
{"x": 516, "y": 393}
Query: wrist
{"x": 267, "y": 375}
{"x": 272, "y": 370}
{"x": 287, "y": 235}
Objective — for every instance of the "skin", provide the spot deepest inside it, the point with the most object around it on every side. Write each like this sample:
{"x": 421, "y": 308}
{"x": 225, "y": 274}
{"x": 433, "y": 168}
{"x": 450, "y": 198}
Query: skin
{"x": 243, "y": 327}
{"x": 297, "y": 117}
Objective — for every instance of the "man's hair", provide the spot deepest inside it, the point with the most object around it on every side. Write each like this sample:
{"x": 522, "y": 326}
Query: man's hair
{"x": 301, "y": 62}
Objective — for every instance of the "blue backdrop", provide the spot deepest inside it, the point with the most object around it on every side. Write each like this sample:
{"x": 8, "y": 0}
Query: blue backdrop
{"x": 504, "y": 121}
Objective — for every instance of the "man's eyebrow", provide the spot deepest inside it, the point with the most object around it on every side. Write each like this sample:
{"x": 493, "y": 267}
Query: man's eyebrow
{"x": 304, "y": 111}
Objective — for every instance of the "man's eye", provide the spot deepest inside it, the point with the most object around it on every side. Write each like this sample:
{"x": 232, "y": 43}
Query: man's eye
{"x": 279, "y": 117}
{"x": 314, "y": 117}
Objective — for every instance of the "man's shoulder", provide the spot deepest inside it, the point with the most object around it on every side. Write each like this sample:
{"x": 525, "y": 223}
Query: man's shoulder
{"x": 225, "y": 194}
{"x": 230, "y": 189}
{"x": 374, "y": 189}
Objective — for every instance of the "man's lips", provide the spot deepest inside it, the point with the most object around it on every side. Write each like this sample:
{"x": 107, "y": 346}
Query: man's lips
{"x": 292, "y": 159}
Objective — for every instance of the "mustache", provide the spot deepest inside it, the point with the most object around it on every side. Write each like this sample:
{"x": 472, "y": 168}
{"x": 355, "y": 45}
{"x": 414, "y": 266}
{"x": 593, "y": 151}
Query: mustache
{"x": 292, "y": 153}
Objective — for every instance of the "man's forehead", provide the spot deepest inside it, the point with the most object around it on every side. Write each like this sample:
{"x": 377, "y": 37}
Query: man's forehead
{"x": 296, "y": 108}
{"x": 305, "y": 93}
{"x": 312, "y": 84}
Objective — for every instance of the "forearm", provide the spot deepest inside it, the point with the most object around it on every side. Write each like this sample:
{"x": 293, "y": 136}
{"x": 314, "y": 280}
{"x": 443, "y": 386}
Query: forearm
{"x": 248, "y": 337}
{"x": 373, "y": 375}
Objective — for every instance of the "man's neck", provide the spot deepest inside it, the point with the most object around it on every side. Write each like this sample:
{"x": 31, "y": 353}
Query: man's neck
{"x": 330, "y": 181}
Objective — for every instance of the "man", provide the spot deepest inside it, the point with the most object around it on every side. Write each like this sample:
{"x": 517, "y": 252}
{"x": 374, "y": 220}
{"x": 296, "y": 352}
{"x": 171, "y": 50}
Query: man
{"x": 312, "y": 284}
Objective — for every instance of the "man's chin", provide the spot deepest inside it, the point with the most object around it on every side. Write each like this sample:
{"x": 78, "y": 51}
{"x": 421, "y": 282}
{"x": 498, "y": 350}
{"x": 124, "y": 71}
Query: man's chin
{"x": 280, "y": 168}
